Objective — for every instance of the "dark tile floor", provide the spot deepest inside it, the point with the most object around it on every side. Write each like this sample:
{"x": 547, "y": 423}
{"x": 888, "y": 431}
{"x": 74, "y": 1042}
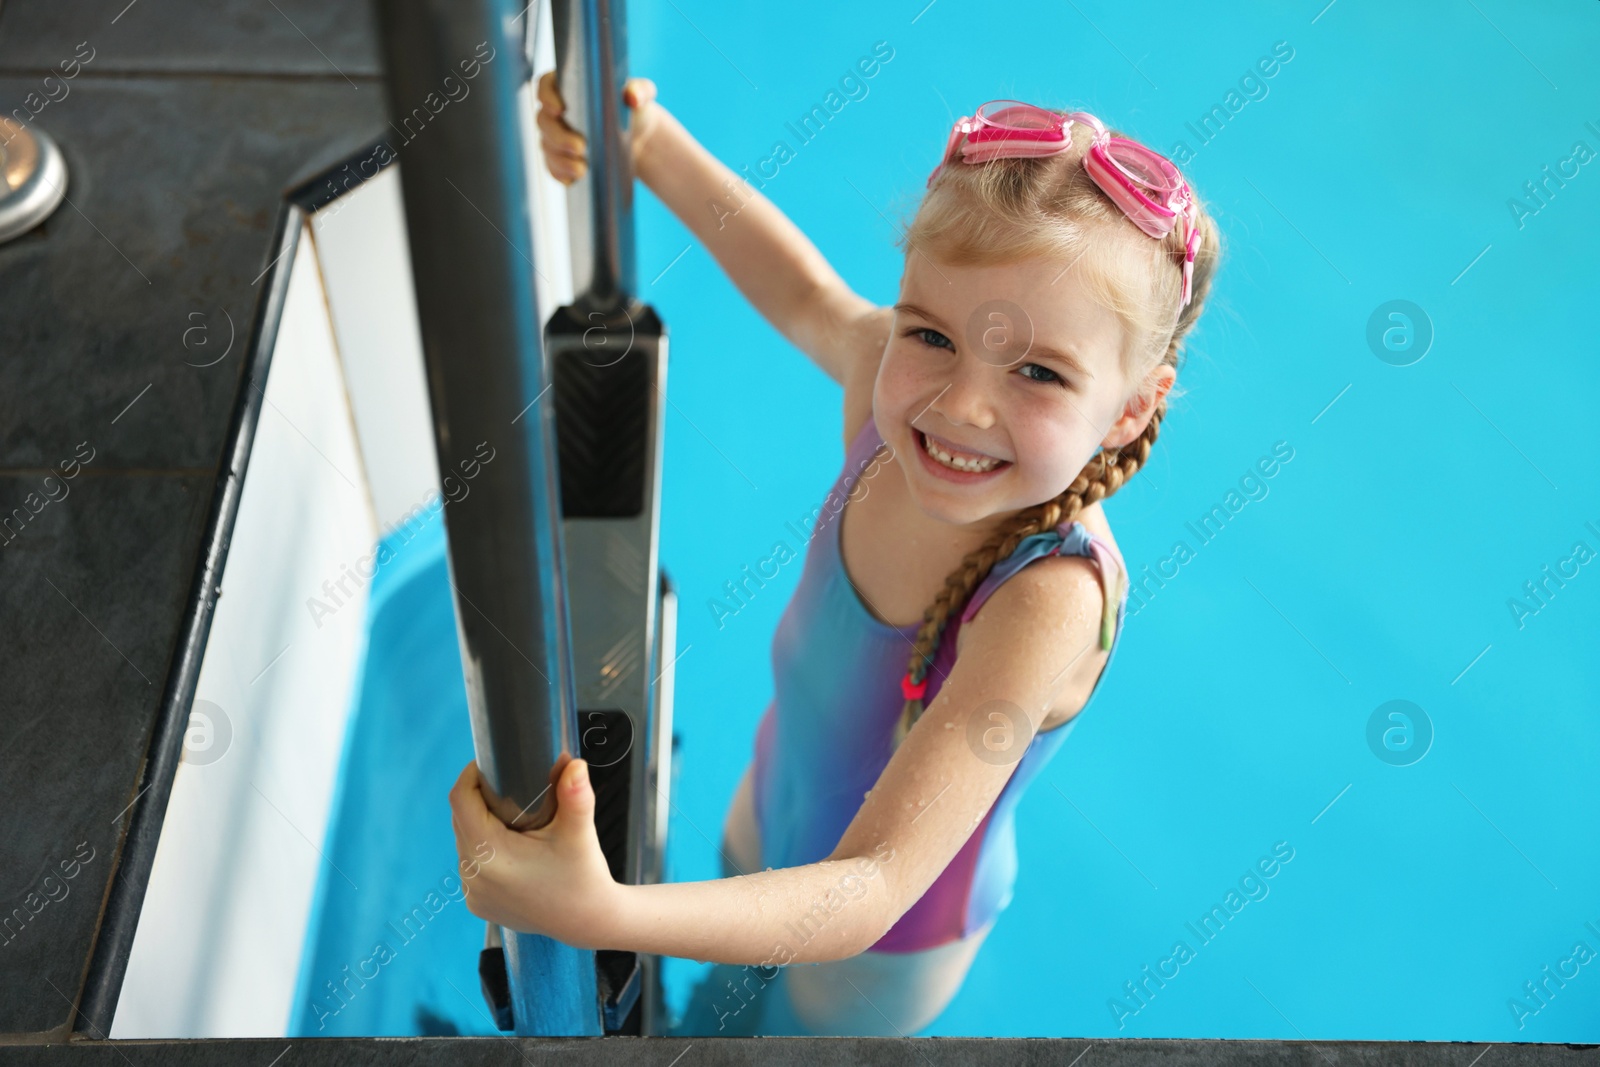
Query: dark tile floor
{"x": 304, "y": 38}
{"x": 182, "y": 125}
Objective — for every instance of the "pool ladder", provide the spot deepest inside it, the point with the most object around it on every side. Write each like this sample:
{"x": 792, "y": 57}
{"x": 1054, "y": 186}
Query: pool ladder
{"x": 565, "y": 619}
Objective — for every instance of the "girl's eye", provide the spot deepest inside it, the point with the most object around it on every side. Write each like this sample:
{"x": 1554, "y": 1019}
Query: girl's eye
{"x": 934, "y": 339}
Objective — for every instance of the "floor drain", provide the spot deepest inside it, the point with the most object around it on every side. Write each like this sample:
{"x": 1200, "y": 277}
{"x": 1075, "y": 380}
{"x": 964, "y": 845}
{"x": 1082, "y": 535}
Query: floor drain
{"x": 33, "y": 178}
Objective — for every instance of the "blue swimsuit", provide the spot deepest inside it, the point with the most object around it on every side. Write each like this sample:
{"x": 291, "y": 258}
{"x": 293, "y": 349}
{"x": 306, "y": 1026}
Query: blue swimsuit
{"x": 824, "y": 740}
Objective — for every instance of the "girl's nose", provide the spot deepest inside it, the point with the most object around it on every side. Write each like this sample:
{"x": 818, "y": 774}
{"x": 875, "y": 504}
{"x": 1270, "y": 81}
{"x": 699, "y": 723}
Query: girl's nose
{"x": 964, "y": 399}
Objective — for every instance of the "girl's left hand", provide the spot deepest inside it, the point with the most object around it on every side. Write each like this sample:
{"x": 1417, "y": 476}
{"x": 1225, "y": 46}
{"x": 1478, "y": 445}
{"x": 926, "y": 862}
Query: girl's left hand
{"x": 553, "y": 880}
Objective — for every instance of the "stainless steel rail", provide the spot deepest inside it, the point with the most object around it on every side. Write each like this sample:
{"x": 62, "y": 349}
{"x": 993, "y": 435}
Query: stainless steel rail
{"x": 608, "y": 358}
{"x": 609, "y": 375}
{"x": 591, "y": 65}
{"x": 468, "y": 218}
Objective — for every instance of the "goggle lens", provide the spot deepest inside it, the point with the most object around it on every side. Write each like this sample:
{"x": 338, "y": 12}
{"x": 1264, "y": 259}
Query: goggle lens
{"x": 1015, "y": 115}
{"x": 1142, "y": 166}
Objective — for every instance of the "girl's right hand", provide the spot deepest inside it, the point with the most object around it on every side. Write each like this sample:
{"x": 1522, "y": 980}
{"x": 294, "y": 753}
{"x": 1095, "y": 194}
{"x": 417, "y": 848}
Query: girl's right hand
{"x": 565, "y": 151}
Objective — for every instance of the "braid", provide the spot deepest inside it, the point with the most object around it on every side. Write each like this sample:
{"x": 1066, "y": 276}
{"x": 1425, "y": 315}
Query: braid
{"x": 1107, "y": 472}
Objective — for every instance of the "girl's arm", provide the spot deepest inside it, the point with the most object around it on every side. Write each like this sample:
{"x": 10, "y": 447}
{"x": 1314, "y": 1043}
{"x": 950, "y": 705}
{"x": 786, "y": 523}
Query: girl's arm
{"x": 772, "y": 263}
{"x": 555, "y": 881}
{"x": 1020, "y": 652}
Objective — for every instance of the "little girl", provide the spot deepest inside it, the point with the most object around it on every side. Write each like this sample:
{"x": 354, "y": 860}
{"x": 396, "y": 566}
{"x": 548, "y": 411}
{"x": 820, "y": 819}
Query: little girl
{"x": 962, "y": 595}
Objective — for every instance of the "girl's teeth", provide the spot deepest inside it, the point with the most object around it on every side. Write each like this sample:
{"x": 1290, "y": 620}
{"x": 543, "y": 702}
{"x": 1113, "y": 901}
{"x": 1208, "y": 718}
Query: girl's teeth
{"x": 958, "y": 463}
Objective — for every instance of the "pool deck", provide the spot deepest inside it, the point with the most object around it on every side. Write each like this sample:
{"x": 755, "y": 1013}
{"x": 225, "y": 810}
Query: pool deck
{"x": 182, "y": 127}
{"x": 782, "y": 1051}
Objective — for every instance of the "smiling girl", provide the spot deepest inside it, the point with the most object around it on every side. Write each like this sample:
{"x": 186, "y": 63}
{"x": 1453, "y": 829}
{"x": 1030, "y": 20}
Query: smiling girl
{"x": 954, "y": 618}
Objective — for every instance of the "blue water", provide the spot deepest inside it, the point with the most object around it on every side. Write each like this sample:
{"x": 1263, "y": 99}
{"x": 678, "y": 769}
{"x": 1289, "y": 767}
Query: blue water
{"x": 1378, "y": 565}
{"x": 1440, "y": 861}
{"x": 398, "y": 949}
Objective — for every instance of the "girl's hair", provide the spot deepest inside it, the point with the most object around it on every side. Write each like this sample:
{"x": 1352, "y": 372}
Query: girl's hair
{"x": 1004, "y": 210}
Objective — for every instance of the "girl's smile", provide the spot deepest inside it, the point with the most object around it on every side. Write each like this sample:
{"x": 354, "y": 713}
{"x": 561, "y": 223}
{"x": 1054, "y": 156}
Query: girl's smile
{"x": 959, "y": 465}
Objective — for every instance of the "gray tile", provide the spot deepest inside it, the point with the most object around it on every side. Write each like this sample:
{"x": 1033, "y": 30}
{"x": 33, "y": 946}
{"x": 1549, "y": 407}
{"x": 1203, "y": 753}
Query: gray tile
{"x": 789, "y": 1052}
{"x": 174, "y": 186}
{"x": 332, "y": 38}
{"x": 174, "y": 191}
{"x": 93, "y": 579}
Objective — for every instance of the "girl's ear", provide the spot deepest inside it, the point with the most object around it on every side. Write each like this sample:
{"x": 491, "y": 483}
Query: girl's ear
{"x": 1141, "y": 407}
{"x": 1166, "y": 376}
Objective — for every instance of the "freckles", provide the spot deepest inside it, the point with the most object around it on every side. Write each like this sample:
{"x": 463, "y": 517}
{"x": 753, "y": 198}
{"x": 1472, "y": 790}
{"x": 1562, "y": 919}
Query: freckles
{"x": 897, "y": 391}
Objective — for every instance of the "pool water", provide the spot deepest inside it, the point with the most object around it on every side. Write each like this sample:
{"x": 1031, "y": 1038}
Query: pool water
{"x": 391, "y": 949}
{"x": 1339, "y": 786}
{"x": 1375, "y": 164}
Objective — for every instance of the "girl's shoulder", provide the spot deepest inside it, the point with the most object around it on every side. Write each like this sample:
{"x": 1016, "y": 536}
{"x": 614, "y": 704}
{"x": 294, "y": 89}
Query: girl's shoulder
{"x": 1051, "y": 584}
{"x": 1094, "y": 520}
{"x": 1065, "y": 593}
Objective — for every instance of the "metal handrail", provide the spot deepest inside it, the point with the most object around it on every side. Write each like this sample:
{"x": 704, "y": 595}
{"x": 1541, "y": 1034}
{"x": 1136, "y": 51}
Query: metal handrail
{"x": 468, "y": 218}
{"x": 608, "y": 354}
{"x": 591, "y": 65}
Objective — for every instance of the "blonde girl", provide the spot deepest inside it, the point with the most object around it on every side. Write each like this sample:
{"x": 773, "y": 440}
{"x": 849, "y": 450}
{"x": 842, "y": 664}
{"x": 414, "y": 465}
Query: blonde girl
{"x": 1052, "y": 271}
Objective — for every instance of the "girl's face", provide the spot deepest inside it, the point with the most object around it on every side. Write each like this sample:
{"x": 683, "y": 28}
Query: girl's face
{"x": 1014, "y": 363}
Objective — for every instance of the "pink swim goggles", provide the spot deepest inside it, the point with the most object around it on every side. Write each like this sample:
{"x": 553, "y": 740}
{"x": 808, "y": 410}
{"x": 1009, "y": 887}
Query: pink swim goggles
{"x": 1144, "y": 184}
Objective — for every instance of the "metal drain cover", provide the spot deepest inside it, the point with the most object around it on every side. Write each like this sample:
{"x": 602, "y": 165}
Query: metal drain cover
{"x": 33, "y": 178}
